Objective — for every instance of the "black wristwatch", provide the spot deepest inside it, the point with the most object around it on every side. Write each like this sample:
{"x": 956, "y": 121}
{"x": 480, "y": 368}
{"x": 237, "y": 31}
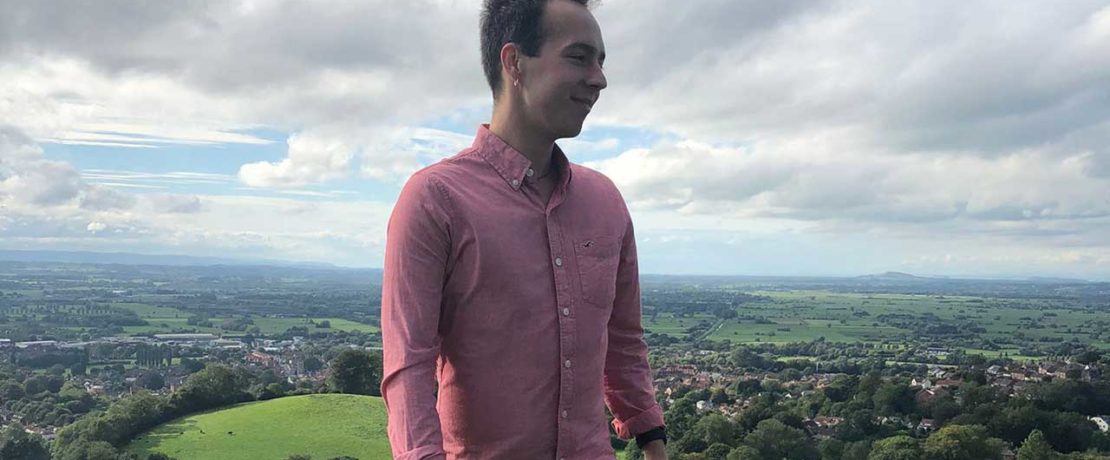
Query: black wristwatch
{"x": 648, "y": 436}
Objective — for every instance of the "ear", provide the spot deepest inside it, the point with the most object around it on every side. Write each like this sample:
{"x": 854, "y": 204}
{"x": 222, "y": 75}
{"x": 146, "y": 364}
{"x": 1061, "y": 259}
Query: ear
{"x": 510, "y": 64}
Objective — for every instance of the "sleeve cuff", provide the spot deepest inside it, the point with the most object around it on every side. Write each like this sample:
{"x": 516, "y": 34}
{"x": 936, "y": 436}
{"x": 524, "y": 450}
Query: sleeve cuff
{"x": 423, "y": 453}
{"x": 646, "y": 420}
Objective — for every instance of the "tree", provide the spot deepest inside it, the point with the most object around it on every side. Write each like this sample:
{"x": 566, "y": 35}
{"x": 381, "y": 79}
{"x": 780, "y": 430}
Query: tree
{"x": 963, "y": 442}
{"x": 11, "y": 391}
{"x": 86, "y": 450}
{"x": 357, "y": 372}
{"x": 151, "y": 380}
{"x": 1014, "y": 424}
{"x": 716, "y": 429}
{"x": 1068, "y": 431}
{"x": 271, "y": 391}
{"x": 744, "y": 453}
{"x": 190, "y": 365}
{"x": 892, "y": 398}
{"x": 15, "y": 442}
{"x": 34, "y": 384}
{"x": 900, "y": 447}
{"x": 313, "y": 364}
{"x": 215, "y": 386}
{"x": 718, "y": 451}
{"x": 1036, "y": 448}
{"x": 773, "y": 439}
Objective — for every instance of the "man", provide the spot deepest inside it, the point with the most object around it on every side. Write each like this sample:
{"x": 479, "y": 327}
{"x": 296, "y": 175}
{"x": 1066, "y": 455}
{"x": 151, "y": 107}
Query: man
{"x": 511, "y": 274}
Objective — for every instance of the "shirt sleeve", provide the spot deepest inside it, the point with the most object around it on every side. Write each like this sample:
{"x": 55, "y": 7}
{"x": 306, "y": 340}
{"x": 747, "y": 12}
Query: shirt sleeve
{"x": 417, "y": 251}
{"x": 628, "y": 387}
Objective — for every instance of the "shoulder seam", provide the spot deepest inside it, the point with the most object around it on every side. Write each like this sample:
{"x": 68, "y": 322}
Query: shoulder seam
{"x": 450, "y": 205}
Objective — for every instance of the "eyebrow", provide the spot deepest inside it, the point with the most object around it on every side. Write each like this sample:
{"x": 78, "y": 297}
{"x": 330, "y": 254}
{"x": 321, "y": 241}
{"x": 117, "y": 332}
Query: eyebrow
{"x": 586, "y": 47}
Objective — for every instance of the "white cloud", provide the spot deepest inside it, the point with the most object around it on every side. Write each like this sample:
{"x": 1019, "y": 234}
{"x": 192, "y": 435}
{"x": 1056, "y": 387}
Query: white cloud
{"x": 312, "y": 158}
{"x": 103, "y": 199}
{"x": 29, "y": 179}
{"x": 982, "y": 76}
{"x": 982, "y": 125}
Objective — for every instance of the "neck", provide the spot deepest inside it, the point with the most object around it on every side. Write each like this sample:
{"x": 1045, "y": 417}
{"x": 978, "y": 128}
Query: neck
{"x": 508, "y": 124}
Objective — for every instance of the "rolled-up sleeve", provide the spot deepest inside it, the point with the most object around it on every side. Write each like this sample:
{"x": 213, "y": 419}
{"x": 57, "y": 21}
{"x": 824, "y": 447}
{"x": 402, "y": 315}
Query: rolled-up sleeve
{"x": 628, "y": 387}
{"x": 418, "y": 244}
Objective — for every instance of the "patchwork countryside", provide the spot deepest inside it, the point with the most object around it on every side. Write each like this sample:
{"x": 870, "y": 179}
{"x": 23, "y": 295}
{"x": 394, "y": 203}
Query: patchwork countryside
{"x": 143, "y": 361}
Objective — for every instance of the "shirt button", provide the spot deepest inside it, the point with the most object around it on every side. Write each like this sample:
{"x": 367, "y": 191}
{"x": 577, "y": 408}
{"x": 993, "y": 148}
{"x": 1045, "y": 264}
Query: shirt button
{"x": 566, "y": 312}
{"x": 515, "y": 182}
{"x": 558, "y": 261}
{"x": 566, "y": 364}
{"x": 529, "y": 172}
{"x": 564, "y": 414}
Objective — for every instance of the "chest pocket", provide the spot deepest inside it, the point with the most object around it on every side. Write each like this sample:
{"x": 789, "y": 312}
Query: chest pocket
{"x": 598, "y": 259}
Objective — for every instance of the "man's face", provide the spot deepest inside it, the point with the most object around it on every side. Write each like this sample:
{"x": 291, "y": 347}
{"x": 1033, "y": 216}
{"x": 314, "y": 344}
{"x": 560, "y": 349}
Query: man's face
{"x": 564, "y": 80}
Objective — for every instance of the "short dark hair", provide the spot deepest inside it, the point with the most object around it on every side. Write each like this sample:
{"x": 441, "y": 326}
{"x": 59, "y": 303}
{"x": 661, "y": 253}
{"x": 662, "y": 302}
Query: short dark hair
{"x": 511, "y": 21}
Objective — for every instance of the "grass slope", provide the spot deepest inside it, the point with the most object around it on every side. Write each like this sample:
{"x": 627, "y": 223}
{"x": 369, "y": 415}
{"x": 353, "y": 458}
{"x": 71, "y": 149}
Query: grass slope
{"x": 323, "y": 426}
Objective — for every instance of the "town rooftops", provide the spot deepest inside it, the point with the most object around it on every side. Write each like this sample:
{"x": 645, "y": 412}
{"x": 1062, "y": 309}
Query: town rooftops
{"x": 185, "y": 336}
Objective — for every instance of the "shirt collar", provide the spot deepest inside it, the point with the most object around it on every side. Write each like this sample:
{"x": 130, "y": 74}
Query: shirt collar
{"x": 512, "y": 165}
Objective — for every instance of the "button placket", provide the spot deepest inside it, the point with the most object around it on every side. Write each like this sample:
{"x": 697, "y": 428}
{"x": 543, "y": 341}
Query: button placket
{"x": 566, "y": 331}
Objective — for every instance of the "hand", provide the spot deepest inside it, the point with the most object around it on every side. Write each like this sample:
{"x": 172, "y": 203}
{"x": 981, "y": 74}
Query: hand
{"x": 655, "y": 450}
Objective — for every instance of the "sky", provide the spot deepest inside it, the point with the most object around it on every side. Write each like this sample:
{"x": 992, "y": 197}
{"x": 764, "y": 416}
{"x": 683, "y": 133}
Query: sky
{"x": 955, "y": 138}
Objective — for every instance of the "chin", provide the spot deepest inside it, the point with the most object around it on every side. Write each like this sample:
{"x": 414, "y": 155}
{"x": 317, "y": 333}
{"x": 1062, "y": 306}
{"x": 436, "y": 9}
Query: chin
{"x": 574, "y": 132}
{"x": 570, "y": 130}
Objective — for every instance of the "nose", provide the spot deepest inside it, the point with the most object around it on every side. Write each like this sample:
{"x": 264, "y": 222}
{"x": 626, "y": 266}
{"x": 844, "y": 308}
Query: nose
{"x": 596, "y": 78}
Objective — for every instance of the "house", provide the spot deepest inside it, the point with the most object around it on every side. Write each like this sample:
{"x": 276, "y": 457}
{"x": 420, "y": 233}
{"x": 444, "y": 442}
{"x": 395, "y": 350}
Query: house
{"x": 1003, "y": 383}
{"x": 1091, "y": 373}
{"x": 923, "y": 383}
{"x": 937, "y": 352}
{"x": 927, "y": 395}
{"x": 949, "y": 383}
{"x": 1102, "y": 421}
{"x": 174, "y": 338}
{"x": 927, "y": 425}
{"x": 822, "y": 426}
{"x": 93, "y": 389}
{"x": 896, "y": 421}
{"x": 38, "y": 344}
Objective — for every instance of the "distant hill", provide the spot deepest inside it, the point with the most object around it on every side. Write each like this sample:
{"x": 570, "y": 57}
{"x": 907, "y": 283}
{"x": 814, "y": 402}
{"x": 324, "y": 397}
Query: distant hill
{"x": 127, "y": 258}
{"x": 893, "y": 276}
{"x": 320, "y": 425}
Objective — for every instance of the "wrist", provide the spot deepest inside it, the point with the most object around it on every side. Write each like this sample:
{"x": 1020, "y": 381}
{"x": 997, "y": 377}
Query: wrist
{"x": 655, "y": 434}
{"x": 655, "y": 450}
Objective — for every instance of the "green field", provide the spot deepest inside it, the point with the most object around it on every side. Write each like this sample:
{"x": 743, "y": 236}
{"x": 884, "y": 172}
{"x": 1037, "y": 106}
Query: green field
{"x": 803, "y": 316}
{"x": 165, "y": 320}
{"x": 321, "y": 425}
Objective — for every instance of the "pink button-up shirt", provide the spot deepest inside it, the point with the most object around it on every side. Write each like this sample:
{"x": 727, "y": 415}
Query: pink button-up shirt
{"x": 527, "y": 313}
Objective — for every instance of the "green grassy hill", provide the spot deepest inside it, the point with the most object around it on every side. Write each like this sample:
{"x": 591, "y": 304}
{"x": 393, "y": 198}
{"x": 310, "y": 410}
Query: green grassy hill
{"x": 323, "y": 426}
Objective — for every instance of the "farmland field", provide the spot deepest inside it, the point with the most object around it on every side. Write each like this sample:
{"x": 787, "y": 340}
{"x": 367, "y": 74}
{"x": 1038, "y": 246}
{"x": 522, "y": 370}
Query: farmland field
{"x": 803, "y": 316}
{"x": 322, "y": 426}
